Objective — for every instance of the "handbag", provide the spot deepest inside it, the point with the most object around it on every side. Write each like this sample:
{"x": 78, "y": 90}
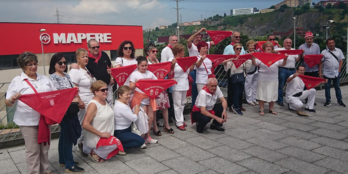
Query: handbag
{"x": 74, "y": 106}
{"x": 134, "y": 129}
{"x": 142, "y": 122}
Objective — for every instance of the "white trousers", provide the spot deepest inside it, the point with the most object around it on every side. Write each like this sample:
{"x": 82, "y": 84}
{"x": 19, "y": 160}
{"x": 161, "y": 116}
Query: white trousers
{"x": 179, "y": 100}
{"x": 296, "y": 103}
{"x": 250, "y": 86}
{"x": 200, "y": 86}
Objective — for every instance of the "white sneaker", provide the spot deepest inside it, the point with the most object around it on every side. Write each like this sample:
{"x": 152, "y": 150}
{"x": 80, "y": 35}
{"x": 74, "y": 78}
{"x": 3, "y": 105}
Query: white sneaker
{"x": 149, "y": 140}
{"x": 122, "y": 153}
{"x": 143, "y": 146}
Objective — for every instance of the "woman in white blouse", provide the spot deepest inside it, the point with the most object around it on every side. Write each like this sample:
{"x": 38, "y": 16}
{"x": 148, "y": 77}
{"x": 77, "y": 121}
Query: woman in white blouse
{"x": 83, "y": 79}
{"x": 237, "y": 76}
{"x": 203, "y": 66}
{"x": 143, "y": 73}
{"x": 125, "y": 56}
{"x": 180, "y": 89}
{"x": 267, "y": 84}
{"x": 27, "y": 118}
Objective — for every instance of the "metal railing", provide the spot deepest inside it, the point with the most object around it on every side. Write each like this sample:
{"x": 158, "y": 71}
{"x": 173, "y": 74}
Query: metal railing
{"x": 10, "y": 131}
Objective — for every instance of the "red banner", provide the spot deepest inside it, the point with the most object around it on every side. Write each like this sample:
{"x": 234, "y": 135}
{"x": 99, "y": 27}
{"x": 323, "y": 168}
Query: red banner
{"x": 112, "y": 142}
{"x": 153, "y": 88}
{"x": 160, "y": 69}
{"x": 312, "y": 59}
{"x": 186, "y": 62}
{"x": 268, "y": 58}
{"x": 241, "y": 59}
{"x": 310, "y": 81}
{"x": 218, "y": 36}
{"x": 291, "y": 52}
{"x": 121, "y": 74}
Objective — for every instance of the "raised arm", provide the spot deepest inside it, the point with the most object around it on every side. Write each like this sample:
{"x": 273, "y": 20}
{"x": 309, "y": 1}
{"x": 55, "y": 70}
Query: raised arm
{"x": 190, "y": 39}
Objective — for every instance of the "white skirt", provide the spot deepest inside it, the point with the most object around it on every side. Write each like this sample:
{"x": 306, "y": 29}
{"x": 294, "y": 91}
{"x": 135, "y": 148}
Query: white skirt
{"x": 267, "y": 91}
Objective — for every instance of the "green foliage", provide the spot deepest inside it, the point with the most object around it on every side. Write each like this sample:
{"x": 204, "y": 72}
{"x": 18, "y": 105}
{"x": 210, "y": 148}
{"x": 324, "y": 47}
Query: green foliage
{"x": 342, "y": 5}
{"x": 157, "y": 29}
{"x": 9, "y": 126}
{"x": 234, "y": 20}
{"x": 283, "y": 7}
{"x": 272, "y": 7}
{"x": 329, "y": 6}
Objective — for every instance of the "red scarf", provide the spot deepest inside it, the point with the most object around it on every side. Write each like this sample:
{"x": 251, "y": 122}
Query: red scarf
{"x": 268, "y": 58}
{"x": 232, "y": 43}
{"x": 96, "y": 58}
{"x": 291, "y": 52}
{"x": 312, "y": 59}
{"x": 152, "y": 88}
{"x": 160, "y": 69}
{"x": 218, "y": 36}
{"x": 186, "y": 62}
{"x": 121, "y": 74}
{"x": 170, "y": 46}
{"x": 217, "y": 59}
{"x": 51, "y": 105}
{"x": 241, "y": 59}
{"x": 259, "y": 44}
{"x": 197, "y": 109}
{"x": 310, "y": 81}
{"x": 111, "y": 141}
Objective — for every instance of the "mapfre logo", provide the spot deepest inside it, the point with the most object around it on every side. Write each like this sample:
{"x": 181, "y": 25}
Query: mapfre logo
{"x": 45, "y": 38}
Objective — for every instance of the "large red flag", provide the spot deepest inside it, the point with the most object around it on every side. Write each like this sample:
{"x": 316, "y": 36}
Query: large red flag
{"x": 218, "y": 36}
{"x": 160, "y": 69}
{"x": 121, "y": 74}
{"x": 310, "y": 81}
{"x": 312, "y": 59}
{"x": 110, "y": 143}
{"x": 259, "y": 44}
{"x": 268, "y": 58}
{"x": 241, "y": 59}
{"x": 291, "y": 52}
{"x": 186, "y": 62}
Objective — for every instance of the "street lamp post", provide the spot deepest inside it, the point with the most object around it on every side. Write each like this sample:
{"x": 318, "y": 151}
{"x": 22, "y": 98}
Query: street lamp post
{"x": 294, "y": 18}
{"x": 43, "y": 58}
{"x": 328, "y": 27}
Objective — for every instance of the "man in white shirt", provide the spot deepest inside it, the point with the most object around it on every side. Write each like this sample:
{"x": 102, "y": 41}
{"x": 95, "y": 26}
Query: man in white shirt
{"x": 330, "y": 68}
{"x": 205, "y": 109}
{"x": 167, "y": 51}
{"x": 287, "y": 70}
{"x": 296, "y": 93}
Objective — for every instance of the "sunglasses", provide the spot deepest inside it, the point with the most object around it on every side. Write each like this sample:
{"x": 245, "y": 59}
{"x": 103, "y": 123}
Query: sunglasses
{"x": 272, "y": 39}
{"x": 238, "y": 48}
{"x": 61, "y": 63}
{"x": 154, "y": 51}
{"x": 127, "y": 48}
{"x": 96, "y": 47}
{"x": 104, "y": 90}
{"x": 236, "y": 36}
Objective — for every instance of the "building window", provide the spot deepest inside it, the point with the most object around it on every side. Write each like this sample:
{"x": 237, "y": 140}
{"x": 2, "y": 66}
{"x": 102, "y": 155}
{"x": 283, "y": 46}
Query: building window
{"x": 70, "y": 57}
{"x": 8, "y": 62}
{"x": 113, "y": 55}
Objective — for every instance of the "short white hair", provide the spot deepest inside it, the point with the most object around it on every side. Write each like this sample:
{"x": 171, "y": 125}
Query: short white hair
{"x": 210, "y": 80}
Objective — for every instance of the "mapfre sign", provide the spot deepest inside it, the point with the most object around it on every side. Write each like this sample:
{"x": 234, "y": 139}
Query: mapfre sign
{"x": 20, "y": 37}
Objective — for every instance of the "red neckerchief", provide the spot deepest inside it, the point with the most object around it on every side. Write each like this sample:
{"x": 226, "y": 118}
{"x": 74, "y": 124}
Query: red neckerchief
{"x": 197, "y": 109}
{"x": 232, "y": 43}
{"x": 170, "y": 46}
{"x": 96, "y": 58}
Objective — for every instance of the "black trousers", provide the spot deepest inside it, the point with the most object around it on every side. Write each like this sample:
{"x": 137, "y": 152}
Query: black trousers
{"x": 230, "y": 88}
{"x": 313, "y": 74}
{"x": 204, "y": 120}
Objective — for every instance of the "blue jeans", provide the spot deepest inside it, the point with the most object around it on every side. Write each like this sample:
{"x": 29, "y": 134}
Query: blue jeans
{"x": 237, "y": 94}
{"x": 194, "y": 88}
{"x": 336, "y": 84}
{"x": 129, "y": 139}
{"x": 283, "y": 75}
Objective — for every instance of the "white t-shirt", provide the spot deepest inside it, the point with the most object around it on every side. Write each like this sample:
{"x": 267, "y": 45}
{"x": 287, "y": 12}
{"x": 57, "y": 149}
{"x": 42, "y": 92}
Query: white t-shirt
{"x": 201, "y": 71}
{"x": 205, "y": 99}
{"x": 123, "y": 116}
{"x": 84, "y": 82}
{"x": 136, "y": 75}
{"x": 24, "y": 114}
{"x": 291, "y": 61}
{"x": 268, "y": 73}
{"x": 125, "y": 62}
{"x": 193, "y": 51}
{"x": 166, "y": 54}
{"x": 295, "y": 86}
{"x": 182, "y": 78}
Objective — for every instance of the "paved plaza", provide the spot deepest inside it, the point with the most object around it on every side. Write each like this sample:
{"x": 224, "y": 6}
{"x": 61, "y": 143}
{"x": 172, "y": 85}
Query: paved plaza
{"x": 270, "y": 144}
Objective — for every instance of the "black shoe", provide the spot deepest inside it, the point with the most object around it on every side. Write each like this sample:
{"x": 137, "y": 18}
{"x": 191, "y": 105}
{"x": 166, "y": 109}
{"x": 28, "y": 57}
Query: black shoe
{"x": 216, "y": 127}
{"x": 198, "y": 128}
{"x": 75, "y": 169}
{"x": 341, "y": 104}
{"x": 63, "y": 165}
{"x": 327, "y": 103}
{"x": 315, "y": 104}
{"x": 310, "y": 110}
{"x": 280, "y": 103}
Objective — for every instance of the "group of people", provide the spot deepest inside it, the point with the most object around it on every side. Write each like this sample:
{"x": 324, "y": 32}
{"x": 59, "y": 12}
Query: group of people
{"x": 93, "y": 114}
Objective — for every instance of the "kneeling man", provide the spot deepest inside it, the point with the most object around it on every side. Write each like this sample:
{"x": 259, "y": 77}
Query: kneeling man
{"x": 205, "y": 109}
{"x": 296, "y": 92}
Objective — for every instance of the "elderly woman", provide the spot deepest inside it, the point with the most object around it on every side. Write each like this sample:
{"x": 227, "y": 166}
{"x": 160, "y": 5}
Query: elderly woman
{"x": 124, "y": 118}
{"x": 27, "y": 118}
{"x": 251, "y": 77}
{"x": 180, "y": 89}
{"x": 98, "y": 122}
{"x": 267, "y": 83}
{"x": 203, "y": 66}
{"x": 70, "y": 128}
{"x": 237, "y": 76}
{"x": 162, "y": 100}
{"x": 83, "y": 79}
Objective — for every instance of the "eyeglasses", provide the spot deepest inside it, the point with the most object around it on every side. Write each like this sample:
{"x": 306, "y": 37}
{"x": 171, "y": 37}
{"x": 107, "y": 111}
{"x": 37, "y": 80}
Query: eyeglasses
{"x": 104, "y": 90}
{"x": 272, "y": 40}
{"x": 238, "y": 48}
{"x": 30, "y": 65}
{"x": 61, "y": 63}
{"x": 96, "y": 47}
{"x": 154, "y": 51}
{"x": 236, "y": 36}
{"x": 127, "y": 48}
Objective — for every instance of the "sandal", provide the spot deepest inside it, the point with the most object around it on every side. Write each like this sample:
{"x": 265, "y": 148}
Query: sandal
{"x": 272, "y": 112}
{"x": 170, "y": 130}
{"x": 95, "y": 158}
{"x": 158, "y": 133}
{"x": 261, "y": 113}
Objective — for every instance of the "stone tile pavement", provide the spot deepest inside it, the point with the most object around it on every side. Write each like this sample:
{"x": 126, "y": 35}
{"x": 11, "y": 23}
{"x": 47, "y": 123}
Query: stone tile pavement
{"x": 270, "y": 144}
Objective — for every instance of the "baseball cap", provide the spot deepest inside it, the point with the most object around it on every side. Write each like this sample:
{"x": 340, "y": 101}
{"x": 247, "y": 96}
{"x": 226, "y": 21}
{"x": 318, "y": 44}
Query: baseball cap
{"x": 308, "y": 34}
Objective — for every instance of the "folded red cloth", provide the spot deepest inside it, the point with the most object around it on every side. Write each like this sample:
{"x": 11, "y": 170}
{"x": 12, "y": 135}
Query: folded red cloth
{"x": 218, "y": 36}
{"x": 312, "y": 59}
{"x": 310, "y": 81}
{"x": 121, "y": 74}
{"x": 268, "y": 58}
{"x": 160, "y": 69}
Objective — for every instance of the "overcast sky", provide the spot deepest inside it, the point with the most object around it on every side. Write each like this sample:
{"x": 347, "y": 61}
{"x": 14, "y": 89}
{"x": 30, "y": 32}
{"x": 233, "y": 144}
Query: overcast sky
{"x": 147, "y": 13}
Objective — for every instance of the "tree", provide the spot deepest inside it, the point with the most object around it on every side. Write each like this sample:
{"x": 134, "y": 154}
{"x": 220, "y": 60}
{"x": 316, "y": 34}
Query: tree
{"x": 305, "y": 7}
{"x": 272, "y": 7}
{"x": 313, "y": 3}
{"x": 157, "y": 29}
{"x": 224, "y": 14}
{"x": 342, "y": 5}
{"x": 283, "y": 7}
{"x": 329, "y": 5}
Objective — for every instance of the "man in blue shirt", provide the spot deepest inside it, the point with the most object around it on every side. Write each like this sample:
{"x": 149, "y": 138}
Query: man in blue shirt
{"x": 310, "y": 48}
